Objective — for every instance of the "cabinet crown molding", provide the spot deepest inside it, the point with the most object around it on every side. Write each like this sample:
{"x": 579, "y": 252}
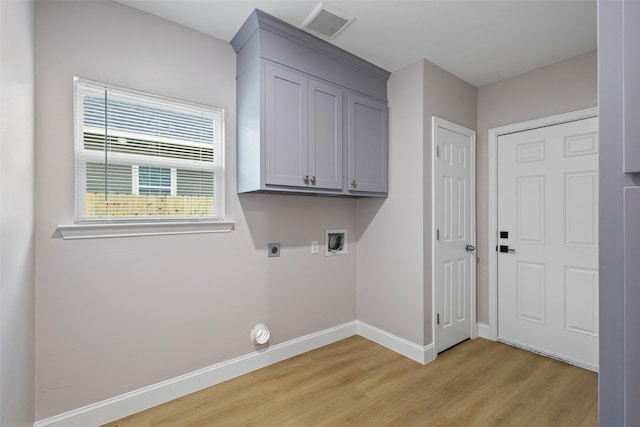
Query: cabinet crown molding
{"x": 259, "y": 20}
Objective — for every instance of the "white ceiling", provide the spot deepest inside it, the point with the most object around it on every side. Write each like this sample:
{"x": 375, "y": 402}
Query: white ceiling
{"x": 480, "y": 41}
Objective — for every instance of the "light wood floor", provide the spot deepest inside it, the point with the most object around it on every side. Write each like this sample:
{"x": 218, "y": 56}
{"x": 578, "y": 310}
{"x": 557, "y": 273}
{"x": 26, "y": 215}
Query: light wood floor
{"x": 357, "y": 382}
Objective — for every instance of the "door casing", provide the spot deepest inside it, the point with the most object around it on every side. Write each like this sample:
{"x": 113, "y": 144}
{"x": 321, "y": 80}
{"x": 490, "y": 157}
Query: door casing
{"x": 491, "y": 331}
{"x": 438, "y": 122}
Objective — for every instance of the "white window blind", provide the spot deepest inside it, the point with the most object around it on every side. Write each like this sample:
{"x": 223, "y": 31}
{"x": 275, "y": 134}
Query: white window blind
{"x": 141, "y": 156}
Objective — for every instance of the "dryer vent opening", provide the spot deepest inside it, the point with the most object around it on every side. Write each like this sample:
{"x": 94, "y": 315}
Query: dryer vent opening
{"x": 335, "y": 242}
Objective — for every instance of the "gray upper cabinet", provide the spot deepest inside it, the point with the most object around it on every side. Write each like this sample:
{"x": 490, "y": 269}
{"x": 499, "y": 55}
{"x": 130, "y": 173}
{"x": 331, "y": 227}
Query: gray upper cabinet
{"x": 312, "y": 118}
{"x": 367, "y": 145}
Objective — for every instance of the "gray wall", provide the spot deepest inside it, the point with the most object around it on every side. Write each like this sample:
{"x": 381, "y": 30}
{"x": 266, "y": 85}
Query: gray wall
{"x": 394, "y": 246}
{"x": 17, "y": 292}
{"x": 115, "y": 315}
{"x": 566, "y": 86}
{"x": 390, "y": 271}
{"x": 450, "y": 98}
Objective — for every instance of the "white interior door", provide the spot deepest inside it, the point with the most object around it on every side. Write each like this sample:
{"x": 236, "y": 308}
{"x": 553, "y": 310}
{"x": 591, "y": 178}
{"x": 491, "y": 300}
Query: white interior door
{"x": 454, "y": 250}
{"x": 548, "y": 240}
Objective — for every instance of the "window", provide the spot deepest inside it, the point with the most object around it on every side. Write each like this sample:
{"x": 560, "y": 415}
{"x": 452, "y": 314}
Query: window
{"x": 141, "y": 156}
{"x": 149, "y": 180}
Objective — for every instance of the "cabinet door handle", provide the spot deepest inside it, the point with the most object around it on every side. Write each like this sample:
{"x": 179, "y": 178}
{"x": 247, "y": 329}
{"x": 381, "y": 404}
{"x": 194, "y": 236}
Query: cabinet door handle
{"x": 306, "y": 179}
{"x": 353, "y": 183}
{"x": 313, "y": 180}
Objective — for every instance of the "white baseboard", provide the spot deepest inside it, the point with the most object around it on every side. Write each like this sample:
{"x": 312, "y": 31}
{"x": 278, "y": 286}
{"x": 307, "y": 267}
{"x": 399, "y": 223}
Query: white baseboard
{"x": 483, "y": 331}
{"x": 407, "y": 348}
{"x": 148, "y": 397}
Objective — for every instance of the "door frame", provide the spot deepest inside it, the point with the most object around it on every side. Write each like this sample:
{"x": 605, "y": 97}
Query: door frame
{"x": 438, "y": 122}
{"x": 494, "y": 134}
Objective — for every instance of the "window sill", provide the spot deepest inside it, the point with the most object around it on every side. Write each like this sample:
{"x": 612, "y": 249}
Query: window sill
{"x": 134, "y": 229}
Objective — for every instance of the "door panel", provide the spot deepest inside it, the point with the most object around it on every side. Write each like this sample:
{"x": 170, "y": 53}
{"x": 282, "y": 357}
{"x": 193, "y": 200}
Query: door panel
{"x": 547, "y": 201}
{"x": 325, "y": 135}
{"x": 530, "y": 287}
{"x": 367, "y": 144}
{"x": 530, "y": 209}
{"x": 581, "y": 300}
{"x": 286, "y": 127}
{"x": 447, "y": 205}
{"x": 461, "y": 309}
{"x": 455, "y": 219}
{"x": 463, "y": 208}
{"x": 581, "y": 216}
{"x": 447, "y": 279}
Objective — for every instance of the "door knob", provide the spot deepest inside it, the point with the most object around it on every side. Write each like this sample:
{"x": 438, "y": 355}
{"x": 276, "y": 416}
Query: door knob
{"x": 313, "y": 180}
{"x": 470, "y": 248}
{"x": 507, "y": 249}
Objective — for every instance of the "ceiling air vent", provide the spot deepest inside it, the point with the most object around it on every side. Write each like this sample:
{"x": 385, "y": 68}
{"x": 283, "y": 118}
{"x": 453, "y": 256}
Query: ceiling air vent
{"x": 327, "y": 21}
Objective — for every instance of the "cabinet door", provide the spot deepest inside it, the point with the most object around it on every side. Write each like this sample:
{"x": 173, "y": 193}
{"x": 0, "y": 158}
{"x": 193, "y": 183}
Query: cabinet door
{"x": 286, "y": 140}
{"x": 325, "y": 136}
{"x": 367, "y": 145}
{"x": 631, "y": 87}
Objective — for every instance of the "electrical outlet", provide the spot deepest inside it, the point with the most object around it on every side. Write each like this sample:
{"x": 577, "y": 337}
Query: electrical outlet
{"x": 314, "y": 246}
{"x": 273, "y": 250}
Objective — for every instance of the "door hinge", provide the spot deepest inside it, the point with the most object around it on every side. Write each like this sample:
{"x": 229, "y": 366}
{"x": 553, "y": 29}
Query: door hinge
{"x": 437, "y": 151}
{"x": 438, "y": 319}
{"x": 437, "y": 234}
